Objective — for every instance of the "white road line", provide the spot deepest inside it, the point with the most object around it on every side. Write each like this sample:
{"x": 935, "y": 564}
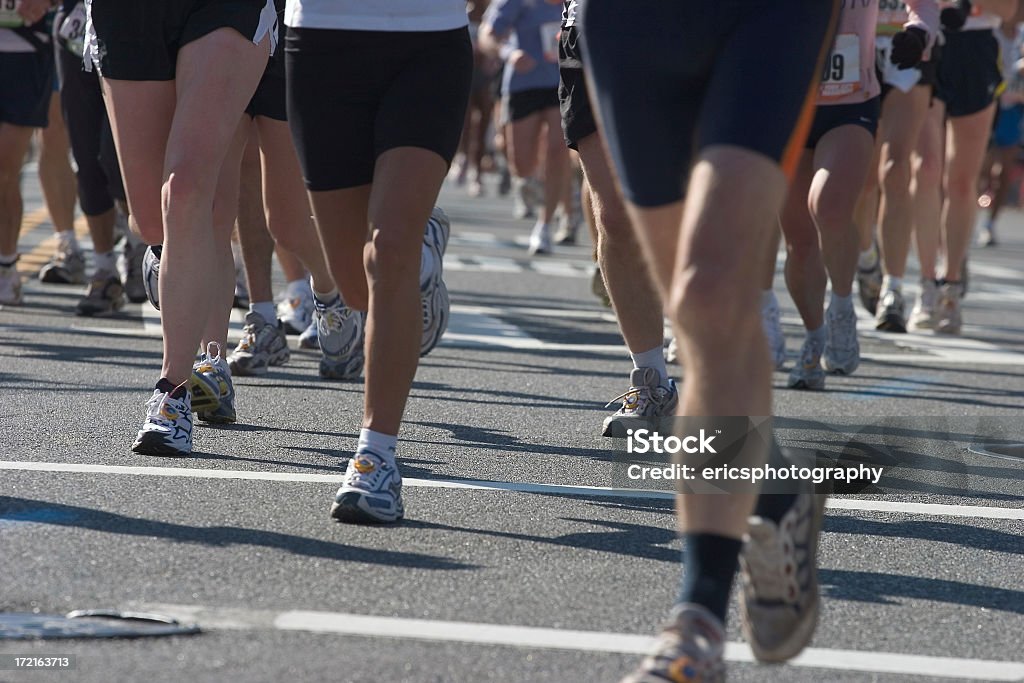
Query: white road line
{"x": 532, "y": 637}
{"x": 853, "y": 504}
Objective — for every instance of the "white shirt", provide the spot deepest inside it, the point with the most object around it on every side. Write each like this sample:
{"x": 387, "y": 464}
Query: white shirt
{"x": 377, "y": 15}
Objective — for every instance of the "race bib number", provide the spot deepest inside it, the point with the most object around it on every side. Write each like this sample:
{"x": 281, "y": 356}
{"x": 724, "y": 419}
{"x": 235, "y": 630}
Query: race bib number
{"x": 549, "y": 39}
{"x": 842, "y": 68}
{"x": 72, "y": 30}
{"x": 892, "y": 15}
{"x": 9, "y": 17}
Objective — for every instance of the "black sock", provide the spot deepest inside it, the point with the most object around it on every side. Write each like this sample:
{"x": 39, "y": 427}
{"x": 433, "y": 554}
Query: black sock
{"x": 709, "y": 566}
{"x": 774, "y": 505}
{"x": 168, "y": 387}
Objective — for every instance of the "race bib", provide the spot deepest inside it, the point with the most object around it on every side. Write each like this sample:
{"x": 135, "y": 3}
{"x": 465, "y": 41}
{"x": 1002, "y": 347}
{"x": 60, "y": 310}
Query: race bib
{"x": 549, "y": 39}
{"x": 9, "y": 17}
{"x": 842, "y": 68}
{"x": 72, "y": 30}
{"x": 892, "y": 15}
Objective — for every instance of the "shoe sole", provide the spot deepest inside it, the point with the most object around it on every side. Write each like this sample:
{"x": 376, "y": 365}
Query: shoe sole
{"x": 152, "y": 444}
{"x": 347, "y": 510}
{"x": 808, "y": 385}
{"x": 214, "y": 419}
{"x": 892, "y": 323}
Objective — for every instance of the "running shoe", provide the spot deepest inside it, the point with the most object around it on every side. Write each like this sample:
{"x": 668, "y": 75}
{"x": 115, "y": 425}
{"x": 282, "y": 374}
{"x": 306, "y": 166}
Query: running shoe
{"x": 568, "y": 229}
{"x": 690, "y": 649}
{"x": 262, "y": 344}
{"x": 340, "y": 332}
{"x": 213, "y": 394}
{"x": 892, "y": 312}
{"x": 504, "y": 182}
{"x": 151, "y": 274}
{"x": 948, "y": 318}
{"x": 772, "y": 322}
{"x": 434, "y": 300}
{"x": 922, "y": 317}
{"x": 67, "y": 267}
{"x": 598, "y": 288}
{"x": 105, "y": 296}
{"x": 129, "y": 266}
{"x": 808, "y": 373}
{"x": 308, "y": 338}
{"x": 869, "y": 286}
{"x": 645, "y": 399}
{"x": 842, "y": 350}
{"x": 524, "y": 200}
{"x": 296, "y": 310}
{"x": 168, "y": 426}
{"x": 779, "y": 602}
{"x": 371, "y": 492}
{"x": 475, "y": 189}
{"x": 540, "y": 239}
{"x": 10, "y": 285}
{"x": 987, "y": 237}
{"x": 672, "y": 351}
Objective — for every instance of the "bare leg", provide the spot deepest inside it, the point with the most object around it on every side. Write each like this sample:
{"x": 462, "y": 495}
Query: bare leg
{"x": 805, "y": 269}
{"x": 966, "y": 140}
{"x": 14, "y": 143}
{"x": 55, "y": 173}
{"x": 927, "y": 189}
{"x": 256, "y": 241}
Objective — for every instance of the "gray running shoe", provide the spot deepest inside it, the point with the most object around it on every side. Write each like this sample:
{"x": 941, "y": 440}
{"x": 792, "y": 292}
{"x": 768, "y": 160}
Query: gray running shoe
{"x": 778, "y": 568}
{"x": 10, "y": 285}
{"x": 263, "y": 344}
{"x": 690, "y": 649}
{"x": 922, "y": 317}
{"x": 892, "y": 312}
{"x": 129, "y": 264}
{"x": 67, "y": 267}
{"x": 808, "y": 373}
{"x": 869, "y": 286}
{"x": 105, "y": 296}
{"x": 645, "y": 399}
{"x": 340, "y": 332}
{"x": 842, "y": 350}
{"x": 434, "y": 300}
{"x": 371, "y": 492}
{"x": 949, "y": 319}
{"x": 211, "y": 374}
{"x": 771, "y": 320}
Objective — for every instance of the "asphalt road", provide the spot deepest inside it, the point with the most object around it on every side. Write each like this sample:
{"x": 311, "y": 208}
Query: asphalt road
{"x": 502, "y": 571}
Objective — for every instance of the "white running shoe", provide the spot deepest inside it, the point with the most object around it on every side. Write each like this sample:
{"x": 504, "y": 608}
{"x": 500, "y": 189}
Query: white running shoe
{"x": 308, "y": 339}
{"x": 262, "y": 344}
{"x": 371, "y": 492}
{"x": 771, "y": 319}
{"x": 296, "y": 309}
{"x": 340, "y": 332}
{"x": 10, "y": 285}
{"x": 540, "y": 239}
{"x": 151, "y": 274}
{"x": 808, "y": 373}
{"x": 168, "y": 426}
{"x": 434, "y": 301}
{"x": 524, "y": 198}
{"x": 645, "y": 399}
{"x": 922, "y": 317}
{"x": 66, "y": 267}
{"x": 949, "y": 319}
{"x": 842, "y": 350}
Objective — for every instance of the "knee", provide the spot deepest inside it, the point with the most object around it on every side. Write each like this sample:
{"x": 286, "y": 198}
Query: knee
{"x": 705, "y": 308}
{"x": 830, "y": 211}
{"x": 896, "y": 173}
{"x": 961, "y": 186}
{"x": 928, "y": 171}
{"x": 391, "y": 254}
{"x": 187, "y": 188}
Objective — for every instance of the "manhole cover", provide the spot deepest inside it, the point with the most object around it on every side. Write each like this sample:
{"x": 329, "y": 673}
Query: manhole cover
{"x": 1013, "y": 451}
{"x": 90, "y": 624}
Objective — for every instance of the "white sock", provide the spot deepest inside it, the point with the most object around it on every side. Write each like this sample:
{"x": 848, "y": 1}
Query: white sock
{"x": 266, "y": 309}
{"x": 891, "y": 283}
{"x": 768, "y": 299}
{"x": 868, "y": 258}
{"x": 325, "y": 297}
{"x": 381, "y": 444}
{"x": 655, "y": 358}
{"x": 107, "y": 261}
{"x": 67, "y": 238}
{"x": 426, "y": 265}
{"x": 817, "y": 337}
{"x": 841, "y": 304}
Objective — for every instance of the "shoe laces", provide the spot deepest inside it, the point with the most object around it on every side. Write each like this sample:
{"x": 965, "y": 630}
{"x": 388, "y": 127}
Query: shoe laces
{"x": 842, "y": 330}
{"x": 331, "y": 318}
{"x": 366, "y": 470}
{"x": 155, "y": 408}
{"x": 776, "y": 563}
{"x": 212, "y": 361}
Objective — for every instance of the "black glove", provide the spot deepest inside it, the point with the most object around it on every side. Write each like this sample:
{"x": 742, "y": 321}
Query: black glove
{"x": 908, "y": 47}
{"x": 954, "y": 18}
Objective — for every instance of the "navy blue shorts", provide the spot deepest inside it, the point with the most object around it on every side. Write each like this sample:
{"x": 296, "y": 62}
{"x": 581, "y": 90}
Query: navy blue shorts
{"x": 831, "y": 116}
{"x": 26, "y": 84}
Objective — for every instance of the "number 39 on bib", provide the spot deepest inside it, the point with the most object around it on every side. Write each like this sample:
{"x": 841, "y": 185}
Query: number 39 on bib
{"x": 841, "y": 73}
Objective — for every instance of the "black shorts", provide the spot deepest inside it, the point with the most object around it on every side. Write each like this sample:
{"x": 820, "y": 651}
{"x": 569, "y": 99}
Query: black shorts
{"x": 526, "y": 102}
{"x": 26, "y": 85}
{"x": 270, "y": 98}
{"x": 929, "y": 74}
{"x": 831, "y": 116}
{"x": 353, "y": 95}
{"x": 573, "y": 99}
{"x": 673, "y": 78}
{"x": 969, "y": 74}
{"x": 139, "y": 40}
